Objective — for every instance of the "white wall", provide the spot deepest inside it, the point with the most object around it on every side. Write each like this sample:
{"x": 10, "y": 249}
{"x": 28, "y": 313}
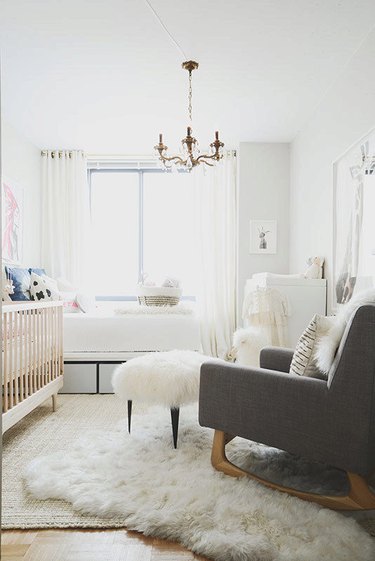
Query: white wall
{"x": 21, "y": 164}
{"x": 264, "y": 178}
{"x": 345, "y": 115}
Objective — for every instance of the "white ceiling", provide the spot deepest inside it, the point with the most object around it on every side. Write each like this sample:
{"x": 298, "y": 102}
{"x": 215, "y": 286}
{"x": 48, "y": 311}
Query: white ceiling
{"x": 103, "y": 75}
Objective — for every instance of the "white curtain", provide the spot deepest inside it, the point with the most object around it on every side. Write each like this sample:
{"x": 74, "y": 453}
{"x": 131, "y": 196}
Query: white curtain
{"x": 216, "y": 199}
{"x": 348, "y": 222}
{"x": 65, "y": 213}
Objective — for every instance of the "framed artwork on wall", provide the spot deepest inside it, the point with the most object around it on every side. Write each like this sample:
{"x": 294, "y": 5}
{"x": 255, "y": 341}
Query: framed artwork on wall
{"x": 263, "y": 236}
{"x": 12, "y": 220}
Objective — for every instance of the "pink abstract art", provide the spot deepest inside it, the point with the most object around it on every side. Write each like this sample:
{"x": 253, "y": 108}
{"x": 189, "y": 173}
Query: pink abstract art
{"x": 12, "y": 222}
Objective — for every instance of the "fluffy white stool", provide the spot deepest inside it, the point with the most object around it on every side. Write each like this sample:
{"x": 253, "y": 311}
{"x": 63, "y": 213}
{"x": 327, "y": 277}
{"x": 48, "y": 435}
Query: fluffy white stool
{"x": 170, "y": 379}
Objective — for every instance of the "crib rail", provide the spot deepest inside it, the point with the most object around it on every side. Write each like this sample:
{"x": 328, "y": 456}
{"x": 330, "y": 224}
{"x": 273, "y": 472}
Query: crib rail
{"x": 32, "y": 350}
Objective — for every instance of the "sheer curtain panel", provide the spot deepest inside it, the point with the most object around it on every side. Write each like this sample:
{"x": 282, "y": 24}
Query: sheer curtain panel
{"x": 65, "y": 214}
{"x": 216, "y": 203}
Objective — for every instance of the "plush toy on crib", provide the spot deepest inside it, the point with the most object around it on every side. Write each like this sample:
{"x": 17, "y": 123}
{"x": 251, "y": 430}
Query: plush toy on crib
{"x": 7, "y": 289}
{"x": 315, "y": 269}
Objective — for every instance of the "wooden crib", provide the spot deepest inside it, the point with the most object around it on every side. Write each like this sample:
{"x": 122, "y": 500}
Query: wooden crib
{"x": 32, "y": 357}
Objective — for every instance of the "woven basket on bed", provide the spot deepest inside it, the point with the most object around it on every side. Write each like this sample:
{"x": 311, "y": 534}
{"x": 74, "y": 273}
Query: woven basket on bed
{"x": 158, "y": 295}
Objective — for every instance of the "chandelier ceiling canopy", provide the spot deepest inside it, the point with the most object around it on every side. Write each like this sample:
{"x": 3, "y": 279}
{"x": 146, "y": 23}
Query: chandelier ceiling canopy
{"x": 190, "y": 155}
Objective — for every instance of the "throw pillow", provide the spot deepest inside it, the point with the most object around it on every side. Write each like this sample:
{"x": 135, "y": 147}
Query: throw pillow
{"x": 40, "y": 272}
{"x": 21, "y": 282}
{"x": 328, "y": 345}
{"x": 303, "y": 361}
{"x": 43, "y": 288}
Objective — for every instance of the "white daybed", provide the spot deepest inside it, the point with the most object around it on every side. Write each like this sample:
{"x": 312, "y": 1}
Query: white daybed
{"x": 95, "y": 342}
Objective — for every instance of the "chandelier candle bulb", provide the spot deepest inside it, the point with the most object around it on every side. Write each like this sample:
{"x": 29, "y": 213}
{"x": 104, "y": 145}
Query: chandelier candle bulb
{"x": 190, "y": 152}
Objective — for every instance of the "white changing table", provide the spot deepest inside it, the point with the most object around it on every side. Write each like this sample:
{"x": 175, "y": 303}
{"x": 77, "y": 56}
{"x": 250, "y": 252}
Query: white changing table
{"x": 306, "y": 297}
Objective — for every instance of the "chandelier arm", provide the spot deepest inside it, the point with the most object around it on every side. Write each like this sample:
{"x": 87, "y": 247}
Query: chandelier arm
{"x": 172, "y": 158}
{"x": 204, "y": 157}
{"x": 203, "y": 161}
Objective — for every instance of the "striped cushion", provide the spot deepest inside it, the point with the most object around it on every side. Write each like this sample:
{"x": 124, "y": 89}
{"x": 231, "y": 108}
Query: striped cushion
{"x": 303, "y": 362}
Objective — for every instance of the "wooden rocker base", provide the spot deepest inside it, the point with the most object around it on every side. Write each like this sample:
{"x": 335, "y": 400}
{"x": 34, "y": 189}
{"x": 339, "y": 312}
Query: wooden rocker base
{"x": 360, "y": 496}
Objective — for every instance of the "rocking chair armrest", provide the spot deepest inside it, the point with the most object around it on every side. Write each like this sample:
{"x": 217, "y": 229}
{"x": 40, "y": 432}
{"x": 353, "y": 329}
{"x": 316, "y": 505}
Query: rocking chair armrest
{"x": 264, "y": 405}
{"x": 276, "y": 358}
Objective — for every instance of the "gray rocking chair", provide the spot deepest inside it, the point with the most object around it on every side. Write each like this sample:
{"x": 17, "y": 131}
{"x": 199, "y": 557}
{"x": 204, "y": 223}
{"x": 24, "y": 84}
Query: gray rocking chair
{"x": 329, "y": 421}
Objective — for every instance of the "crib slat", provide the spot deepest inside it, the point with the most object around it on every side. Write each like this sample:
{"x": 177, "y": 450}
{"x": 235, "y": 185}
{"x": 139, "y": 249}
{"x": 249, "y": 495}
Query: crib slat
{"x": 16, "y": 362}
{"x": 49, "y": 344}
{"x": 46, "y": 346}
{"x": 30, "y": 358}
{"x": 43, "y": 341}
{"x": 39, "y": 348}
{"x": 20, "y": 346}
{"x": 61, "y": 362}
{"x": 11, "y": 340}
{"x": 25, "y": 351}
{"x": 54, "y": 315}
{"x": 33, "y": 313}
{"x": 46, "y": 354}
{"x": 42, "y": 315}
{"x": 5, "y": 359}
{"x": 53, "y": 339}
{"x": 57, "y": 315}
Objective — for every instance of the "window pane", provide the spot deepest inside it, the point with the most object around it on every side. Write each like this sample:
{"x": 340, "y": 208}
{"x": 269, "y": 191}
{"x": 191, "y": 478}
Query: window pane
{"x": 169, "y": 228}
{"x": 114, "y": 214}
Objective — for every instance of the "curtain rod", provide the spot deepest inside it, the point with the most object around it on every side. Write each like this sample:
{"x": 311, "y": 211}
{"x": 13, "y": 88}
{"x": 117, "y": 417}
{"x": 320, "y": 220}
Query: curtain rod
{"x": 133, "y": 157}
{"x": 61, "y": 153}
{"x": 110, "y": 158}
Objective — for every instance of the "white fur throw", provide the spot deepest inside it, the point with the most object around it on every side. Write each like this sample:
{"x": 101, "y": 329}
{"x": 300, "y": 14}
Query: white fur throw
{"x": 247, "y": 344}
{"x": 328, "y": 345}
{"x": 168, "y": 378}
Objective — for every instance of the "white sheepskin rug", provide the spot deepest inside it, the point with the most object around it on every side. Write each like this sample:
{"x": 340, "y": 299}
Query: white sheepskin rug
{"x": 177, "y": 495}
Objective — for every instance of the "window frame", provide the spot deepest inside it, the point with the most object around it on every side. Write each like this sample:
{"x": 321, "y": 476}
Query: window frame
{"x": 140, "y": 172}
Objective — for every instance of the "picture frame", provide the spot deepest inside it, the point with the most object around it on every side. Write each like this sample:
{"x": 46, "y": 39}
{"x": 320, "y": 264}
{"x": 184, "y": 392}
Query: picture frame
{"x": 263, "y": 237}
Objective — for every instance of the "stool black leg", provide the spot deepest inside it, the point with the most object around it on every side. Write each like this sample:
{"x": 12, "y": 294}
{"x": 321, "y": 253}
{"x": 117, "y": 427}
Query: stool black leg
{"x": 130, "y": 403}
{"x": 175, "y": 414}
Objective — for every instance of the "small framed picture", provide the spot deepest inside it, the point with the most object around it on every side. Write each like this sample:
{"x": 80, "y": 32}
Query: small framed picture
{"x": 263, "y": 236}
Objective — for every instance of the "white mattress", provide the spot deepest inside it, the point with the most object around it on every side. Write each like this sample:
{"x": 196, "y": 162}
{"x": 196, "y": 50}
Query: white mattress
{"x": 93, "y": 333}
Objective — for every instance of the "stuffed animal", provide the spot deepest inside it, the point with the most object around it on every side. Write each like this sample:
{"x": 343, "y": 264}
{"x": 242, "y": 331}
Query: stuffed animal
{"x": 172, "y": 282}
{"x": 315, "y": 269}
{"x": 7, "y": 289}
{"x": 247, "y": 344}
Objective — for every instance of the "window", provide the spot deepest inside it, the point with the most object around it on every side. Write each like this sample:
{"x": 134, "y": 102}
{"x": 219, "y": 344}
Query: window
{"x": 142, "y": 222}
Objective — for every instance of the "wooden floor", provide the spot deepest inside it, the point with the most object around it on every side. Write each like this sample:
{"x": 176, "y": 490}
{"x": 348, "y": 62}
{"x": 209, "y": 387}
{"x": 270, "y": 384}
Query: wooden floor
{"x": 88, "y": 545}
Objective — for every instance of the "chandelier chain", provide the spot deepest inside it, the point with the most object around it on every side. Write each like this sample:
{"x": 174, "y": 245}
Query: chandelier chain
{"x": 190, "y": 97}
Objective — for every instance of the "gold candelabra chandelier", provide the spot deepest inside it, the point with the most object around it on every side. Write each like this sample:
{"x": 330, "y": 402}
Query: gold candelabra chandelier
{"x": 190, "y": 155}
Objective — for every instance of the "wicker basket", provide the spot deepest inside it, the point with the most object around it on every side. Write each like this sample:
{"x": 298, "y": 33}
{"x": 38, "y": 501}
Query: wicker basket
{"x": 158, "y": 296}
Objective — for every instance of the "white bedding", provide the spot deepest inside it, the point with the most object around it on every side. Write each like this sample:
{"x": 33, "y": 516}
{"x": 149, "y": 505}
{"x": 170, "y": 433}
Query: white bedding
{"x": 109, "y": 333}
